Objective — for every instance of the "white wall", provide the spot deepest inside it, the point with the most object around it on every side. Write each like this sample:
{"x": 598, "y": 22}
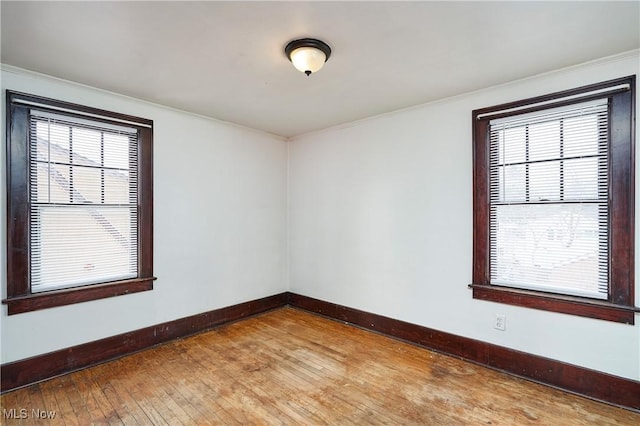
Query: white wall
{"x": 219, "y": 228}
{"x": 381, "y": 220}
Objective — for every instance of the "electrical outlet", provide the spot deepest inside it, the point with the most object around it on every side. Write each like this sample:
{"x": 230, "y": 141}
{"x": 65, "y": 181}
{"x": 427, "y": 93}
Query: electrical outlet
{"x": 500, "y": 323}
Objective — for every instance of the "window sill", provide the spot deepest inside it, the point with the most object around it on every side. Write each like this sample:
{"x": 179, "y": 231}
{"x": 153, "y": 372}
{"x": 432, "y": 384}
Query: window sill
{"x": 68, "y": 296}
{"x": 579, "y": 306}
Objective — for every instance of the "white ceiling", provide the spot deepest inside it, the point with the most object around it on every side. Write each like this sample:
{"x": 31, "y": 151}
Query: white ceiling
{"x": 225, "y": 59}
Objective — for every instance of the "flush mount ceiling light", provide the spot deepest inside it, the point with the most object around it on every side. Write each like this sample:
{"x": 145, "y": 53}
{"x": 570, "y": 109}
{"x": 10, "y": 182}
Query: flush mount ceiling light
{"x": 308, "y": 54}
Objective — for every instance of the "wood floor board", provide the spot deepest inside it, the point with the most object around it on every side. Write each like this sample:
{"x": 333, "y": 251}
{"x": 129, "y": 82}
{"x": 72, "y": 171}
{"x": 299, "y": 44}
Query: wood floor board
{"x": 34, "y": 401}
{"x": 136, "y": 413}
{"x": 62, "y": 391}
{"x": 145, "y": 396}
{"x": 122, "y": 382}
{"x": 22, "y": 400}
{"x": 87, "y": 400}
{"x": 47, "y": 389}
{"x": 183, "y": 373}
{"x": 170, "y": 410}
{"x": 288, "y": 367}
{"x": 177, "y": 395}
{"x": 220, "y": 386}
{"x": 282, "y": 376}
{"x": 121, "y": 408}
{"x": 254, "y": 388}
{"x": 192, "y": 390}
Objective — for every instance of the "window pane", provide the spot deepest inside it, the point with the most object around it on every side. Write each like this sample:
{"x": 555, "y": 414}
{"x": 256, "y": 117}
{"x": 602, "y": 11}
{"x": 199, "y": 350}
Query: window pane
{"x": 581, "y": 136}
{"x": 544, "y": 181}
{"x": 116, "y": 187}
{"x": 87, "y": 185}
{"x": 75, "y": 245}
{"x": 40, "y": 175}
{"x": 51, "y": 184}
{"x": 512, "y": 147}
{"x": 116, "y": 150}
{"x": 86, "y": 145}
{"x": 52, "y": 142}
{"x": 544, "y": 141}
{"x": 512, "y": 183}
{"x": 581, "y": 179}
{"x": 550, "y": 247}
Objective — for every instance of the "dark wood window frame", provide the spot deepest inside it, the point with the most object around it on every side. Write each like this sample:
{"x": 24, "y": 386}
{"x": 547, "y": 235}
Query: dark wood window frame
{"x": 19, "y": 296}
{"x": 619, "y": 307}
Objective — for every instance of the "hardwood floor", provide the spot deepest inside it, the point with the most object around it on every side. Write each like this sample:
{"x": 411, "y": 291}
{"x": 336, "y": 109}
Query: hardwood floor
{"x": 291, "y": 367}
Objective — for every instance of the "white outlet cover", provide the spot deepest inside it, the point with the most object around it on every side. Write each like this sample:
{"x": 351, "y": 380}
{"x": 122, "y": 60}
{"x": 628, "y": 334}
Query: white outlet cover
{"x": 500, "y": 322}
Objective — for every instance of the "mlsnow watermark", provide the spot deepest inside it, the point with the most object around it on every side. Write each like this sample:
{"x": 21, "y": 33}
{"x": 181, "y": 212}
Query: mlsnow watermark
{"x": 23, "y": 414}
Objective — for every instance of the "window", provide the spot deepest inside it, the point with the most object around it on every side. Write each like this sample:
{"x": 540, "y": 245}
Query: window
{"x": 80, "y": 203}
{"x": 554, "y": 200}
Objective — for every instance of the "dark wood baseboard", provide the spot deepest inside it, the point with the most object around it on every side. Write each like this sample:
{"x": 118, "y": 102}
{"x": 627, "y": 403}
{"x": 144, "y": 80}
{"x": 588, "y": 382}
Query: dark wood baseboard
{"x": 31, "y": 370}
{"x": 578, "y": 380}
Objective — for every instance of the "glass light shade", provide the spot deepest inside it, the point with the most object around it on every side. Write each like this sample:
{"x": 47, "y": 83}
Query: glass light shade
{"x": 308, "y": 59}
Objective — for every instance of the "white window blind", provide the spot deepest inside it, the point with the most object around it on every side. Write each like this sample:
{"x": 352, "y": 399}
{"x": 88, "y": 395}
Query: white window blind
{"x": 549, "y": 200}
{"x": 83, "y": 201}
